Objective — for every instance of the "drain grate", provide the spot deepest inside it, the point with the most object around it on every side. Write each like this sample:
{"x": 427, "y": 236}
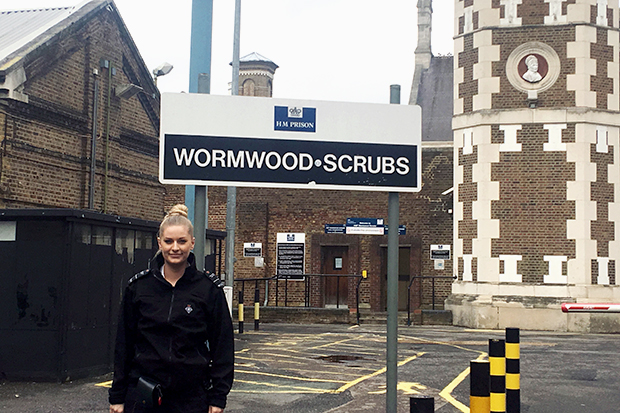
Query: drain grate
{"x": 340, "y": 358}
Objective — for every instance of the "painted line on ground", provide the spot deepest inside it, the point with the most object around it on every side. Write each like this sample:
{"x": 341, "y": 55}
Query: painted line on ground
{"x": 282, "y": 376}
{"x": 257, "y": 383}
{"x": 376, "y": 373}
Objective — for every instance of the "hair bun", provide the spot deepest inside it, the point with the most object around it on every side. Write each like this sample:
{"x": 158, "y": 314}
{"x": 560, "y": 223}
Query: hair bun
{"x": 178, "y": 209}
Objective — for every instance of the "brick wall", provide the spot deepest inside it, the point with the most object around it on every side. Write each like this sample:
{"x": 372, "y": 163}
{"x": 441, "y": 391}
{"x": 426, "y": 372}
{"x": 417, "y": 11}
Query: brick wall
{"x": 47, "y": 142}
{"x": 262, "y": 213}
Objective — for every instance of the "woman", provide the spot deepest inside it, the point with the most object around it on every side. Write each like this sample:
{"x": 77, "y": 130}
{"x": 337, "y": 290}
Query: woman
{"x": 174, "y": 332}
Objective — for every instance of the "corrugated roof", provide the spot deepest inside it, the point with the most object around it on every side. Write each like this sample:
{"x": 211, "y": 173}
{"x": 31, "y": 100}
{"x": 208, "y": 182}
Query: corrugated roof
{"x": 19, "y": 27}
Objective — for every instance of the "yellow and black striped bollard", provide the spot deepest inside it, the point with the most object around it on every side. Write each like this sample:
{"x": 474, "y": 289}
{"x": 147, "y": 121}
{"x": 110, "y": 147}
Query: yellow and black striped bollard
{"x": 479, "y": 398}
{"x": 513, "y": 382}
{"x": 256, "y": 308}
{"x": 240, "y": 312}
{"x": 497, "y": 376}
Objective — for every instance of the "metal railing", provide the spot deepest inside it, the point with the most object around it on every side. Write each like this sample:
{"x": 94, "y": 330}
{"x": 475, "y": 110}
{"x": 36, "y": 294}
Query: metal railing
{"x": 422, "y": 277}
{"x": 307, "y": 287}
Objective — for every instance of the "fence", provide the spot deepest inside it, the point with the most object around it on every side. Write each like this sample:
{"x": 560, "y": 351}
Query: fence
{"x": 307, "y": 290}
{"x": 422, "y": 277}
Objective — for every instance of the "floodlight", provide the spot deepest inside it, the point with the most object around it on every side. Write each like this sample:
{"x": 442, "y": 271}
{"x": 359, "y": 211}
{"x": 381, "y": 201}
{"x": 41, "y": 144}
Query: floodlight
{"x": 125, "y": 91}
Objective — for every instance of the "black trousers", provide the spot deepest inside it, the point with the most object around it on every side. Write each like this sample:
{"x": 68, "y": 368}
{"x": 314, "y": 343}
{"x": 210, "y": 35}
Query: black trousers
{"x": 193, "y": 400}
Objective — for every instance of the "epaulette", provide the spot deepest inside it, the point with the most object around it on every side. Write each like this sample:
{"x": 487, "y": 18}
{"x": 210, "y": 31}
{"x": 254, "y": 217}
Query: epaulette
{"x": 215, "y": 279}
{"x": 139, "y": 275}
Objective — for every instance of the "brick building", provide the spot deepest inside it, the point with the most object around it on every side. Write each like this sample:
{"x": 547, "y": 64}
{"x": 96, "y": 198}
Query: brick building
{"x": 536, "y": 132}
{"x": 73, "y": 85}
{"x": 256, "y": 74}
{"x": 427, "y": 215}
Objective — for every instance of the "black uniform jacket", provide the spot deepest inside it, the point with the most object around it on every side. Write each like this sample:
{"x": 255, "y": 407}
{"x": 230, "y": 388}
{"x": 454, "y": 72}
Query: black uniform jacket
{"x": 179, "y": 336}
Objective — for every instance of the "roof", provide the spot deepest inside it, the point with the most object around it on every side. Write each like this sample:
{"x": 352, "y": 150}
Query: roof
{"x": 73, "y": 214}
{"x": 254, "y": 57}
{"x": 435, "y": 97}
{"x": 20, "y": 27}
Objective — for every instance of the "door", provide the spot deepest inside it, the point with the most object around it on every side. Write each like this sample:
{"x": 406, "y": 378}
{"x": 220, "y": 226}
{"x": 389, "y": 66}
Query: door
{"x": 336, "y": 261}
{"x": 404, "y": 275}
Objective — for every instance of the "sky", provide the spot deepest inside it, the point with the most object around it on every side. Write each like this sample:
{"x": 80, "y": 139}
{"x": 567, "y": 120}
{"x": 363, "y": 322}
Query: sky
{"x": 339, "y": 50}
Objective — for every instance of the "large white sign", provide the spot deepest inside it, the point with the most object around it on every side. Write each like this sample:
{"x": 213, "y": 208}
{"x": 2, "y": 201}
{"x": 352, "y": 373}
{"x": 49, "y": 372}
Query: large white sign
{"x": 290, "y": 255}
{"x": 277, "y": 143}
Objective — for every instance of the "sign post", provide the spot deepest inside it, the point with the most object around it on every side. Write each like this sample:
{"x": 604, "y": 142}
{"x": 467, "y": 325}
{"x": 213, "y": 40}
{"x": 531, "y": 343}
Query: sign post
{"x": 278, "y": 143}
{"x": 236, "y": 141}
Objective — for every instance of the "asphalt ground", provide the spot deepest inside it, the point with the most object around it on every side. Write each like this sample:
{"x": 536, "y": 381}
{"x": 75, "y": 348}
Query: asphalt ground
{"x": 337, "y": 369}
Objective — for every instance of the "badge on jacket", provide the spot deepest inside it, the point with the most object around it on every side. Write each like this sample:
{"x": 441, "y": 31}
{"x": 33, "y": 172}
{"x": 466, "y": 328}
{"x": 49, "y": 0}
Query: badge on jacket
{"x": 188, "y": 308}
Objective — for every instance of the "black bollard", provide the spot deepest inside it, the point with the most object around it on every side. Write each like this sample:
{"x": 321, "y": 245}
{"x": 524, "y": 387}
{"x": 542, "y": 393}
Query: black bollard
{"x": 421, "y": 404}
{"x": 256, "y": 308}
{"x": 513, "y": 385}
{"x": 479, "y": 396}
{"x": 240, "y": 312}
{"x": 497, "y": 370}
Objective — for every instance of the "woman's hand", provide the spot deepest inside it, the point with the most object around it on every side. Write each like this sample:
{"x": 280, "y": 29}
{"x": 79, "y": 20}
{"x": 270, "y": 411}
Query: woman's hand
{"x": 117, "y": 408}
{"x": 215, "y": 409}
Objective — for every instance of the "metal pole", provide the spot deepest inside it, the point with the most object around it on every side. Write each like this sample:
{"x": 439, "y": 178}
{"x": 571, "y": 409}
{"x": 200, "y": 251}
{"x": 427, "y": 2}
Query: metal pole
{"x": 231, "y": 212}
{"x": 200, "y": 225}
{"x": 199, "y": 76}
{"x": 392, "y": 289}
{"x": 231, "y": 198}
{"x": 236, "y": 46}
{"x": 201, "y": 201}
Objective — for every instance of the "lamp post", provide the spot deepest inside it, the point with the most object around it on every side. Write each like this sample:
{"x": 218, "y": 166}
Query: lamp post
{"x": 161, "y": 70}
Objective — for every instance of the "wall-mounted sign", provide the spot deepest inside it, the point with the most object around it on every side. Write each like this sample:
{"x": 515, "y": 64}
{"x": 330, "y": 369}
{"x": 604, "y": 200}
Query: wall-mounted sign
{"x": 365, "y": 226}
{"x": 402, "y": 230}
{"x": 440, "y": 252}
{"x": 252, "y": 249}
{"x": 283, "y": 143}
{"x": 335, "y": 229}
{"x": 290, "y": 255}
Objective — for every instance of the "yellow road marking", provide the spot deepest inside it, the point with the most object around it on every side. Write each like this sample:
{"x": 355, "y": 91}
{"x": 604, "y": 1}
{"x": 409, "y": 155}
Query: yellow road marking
{"x": 290, "y": 377}
{"x": 443, "y": 343}
{"x": 333, "y": 343}
{"x": 256, "y": 383}
{"x": 446, "y": 393}
{"x": 376, "y": 373}
{"x": 406, "y": 387}
{"x": 104, "y": 384}
{"x": 266, "y": 360}
{"x": 338, "y": 372}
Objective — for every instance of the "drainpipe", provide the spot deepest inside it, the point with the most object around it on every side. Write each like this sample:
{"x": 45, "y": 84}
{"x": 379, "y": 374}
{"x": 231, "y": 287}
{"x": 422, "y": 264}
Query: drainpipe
{"x": 93, "y": 146}
{"x": 107, "y": 140}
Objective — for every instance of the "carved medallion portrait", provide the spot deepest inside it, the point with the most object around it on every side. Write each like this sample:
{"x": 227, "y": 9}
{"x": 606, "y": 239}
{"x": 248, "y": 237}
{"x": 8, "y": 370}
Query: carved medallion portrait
{"x": 533, "y": 66}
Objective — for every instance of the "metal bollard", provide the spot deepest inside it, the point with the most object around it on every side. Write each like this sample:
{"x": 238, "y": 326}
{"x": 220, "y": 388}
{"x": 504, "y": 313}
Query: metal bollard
{"x": 240, "y": 312}
{"x": 421, "y": 404}
{"x": 513, "y": 382}
{"x": 479, "y": 396}
{"x": 497, "y": 375}
{"x": 256, "y": 308}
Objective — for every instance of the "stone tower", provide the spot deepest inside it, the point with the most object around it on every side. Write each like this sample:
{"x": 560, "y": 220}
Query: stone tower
{"x": 256, "y": 75}
{"x": 537, "y": 178}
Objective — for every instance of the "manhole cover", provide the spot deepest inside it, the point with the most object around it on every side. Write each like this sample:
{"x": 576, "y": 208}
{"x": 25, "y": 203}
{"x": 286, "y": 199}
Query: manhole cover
{"x": 340, "y": 358}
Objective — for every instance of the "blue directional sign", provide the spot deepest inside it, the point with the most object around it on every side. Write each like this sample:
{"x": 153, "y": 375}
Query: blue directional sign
{"x": 365, "y": 222}
{"x": 402, "y": 230}
{"x": 335, "y": 229}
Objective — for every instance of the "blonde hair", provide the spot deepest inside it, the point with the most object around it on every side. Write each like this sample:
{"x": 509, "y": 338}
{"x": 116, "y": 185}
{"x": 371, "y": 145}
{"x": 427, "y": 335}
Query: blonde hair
{"x": 176, "y": 216}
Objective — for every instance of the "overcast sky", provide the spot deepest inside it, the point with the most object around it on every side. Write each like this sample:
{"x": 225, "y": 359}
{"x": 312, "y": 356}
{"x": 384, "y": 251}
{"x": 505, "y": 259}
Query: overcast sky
{"x": 345, "y": 50}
